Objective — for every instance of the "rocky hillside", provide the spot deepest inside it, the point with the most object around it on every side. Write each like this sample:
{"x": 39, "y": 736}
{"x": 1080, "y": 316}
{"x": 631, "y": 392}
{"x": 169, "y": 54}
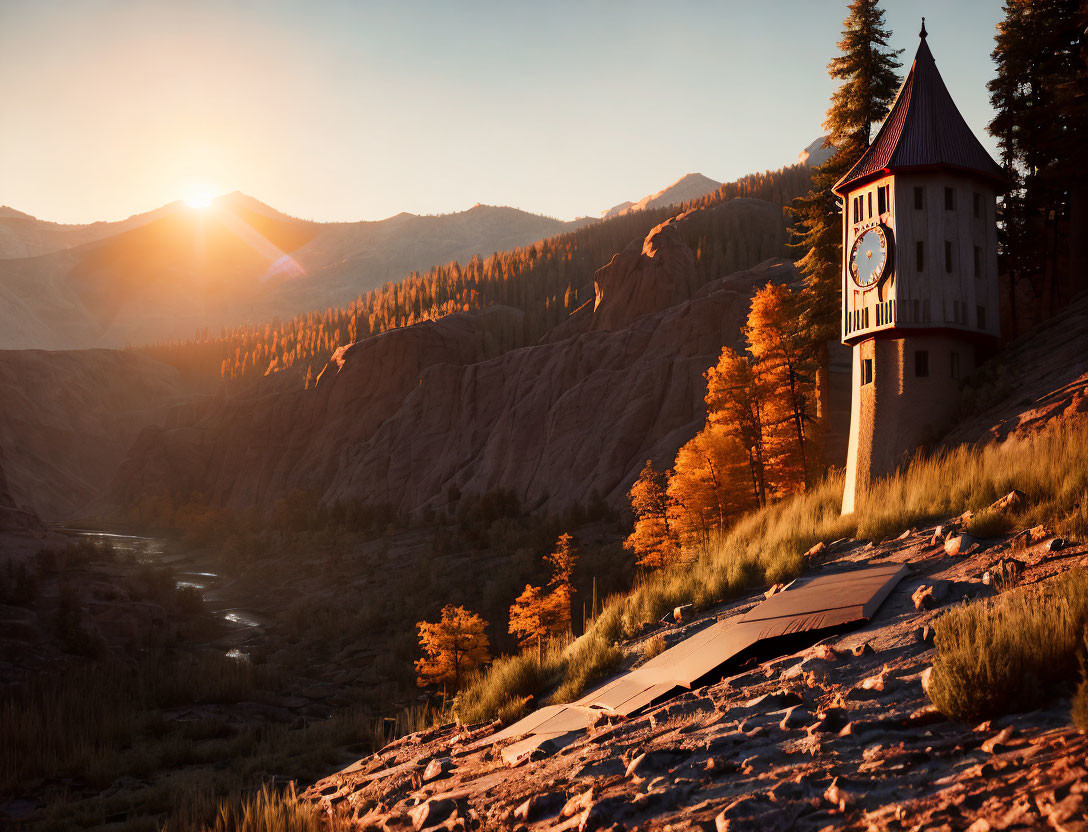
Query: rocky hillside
{"x": 173, "y": 271}
{"x": 13, "y": 517}
{"x": 400, "y": 417}
{"x": 68, "y": 419}
{"x": 836, "y": 735}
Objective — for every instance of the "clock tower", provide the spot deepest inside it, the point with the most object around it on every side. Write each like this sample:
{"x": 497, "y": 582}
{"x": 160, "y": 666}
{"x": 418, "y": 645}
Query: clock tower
{"x": 919, "y": 278}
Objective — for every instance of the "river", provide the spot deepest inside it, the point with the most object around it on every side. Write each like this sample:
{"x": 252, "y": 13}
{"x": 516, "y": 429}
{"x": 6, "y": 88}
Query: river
{"x": 245, "y": 625}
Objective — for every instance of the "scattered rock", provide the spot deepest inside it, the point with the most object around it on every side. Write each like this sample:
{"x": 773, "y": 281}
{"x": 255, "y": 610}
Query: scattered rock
{"x": 999, "y": 741}
{"x": 431, "y": 813}
{"x": 865, "y": 649}
{"x": 1037, "y": 534}
{"x": 961, "y": 544}
{"x": 1005, "y": 571}
{"x": 928, "y": 596}
{"x": 1055, "y": 545}
{"x": 795, "y": 717}
{"x": 837, "y": 795}
{"x": 924, "y": 634}
{"x": 1013, "y": 501}
{"x": 776, "y": 701}
{"x": 926, "y": 679}
{"x": 578, "y": 804}
{"x": 436, "y": 768}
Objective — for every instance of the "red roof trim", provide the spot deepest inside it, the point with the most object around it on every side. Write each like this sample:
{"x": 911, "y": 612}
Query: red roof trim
{"x": 923, "y": 130}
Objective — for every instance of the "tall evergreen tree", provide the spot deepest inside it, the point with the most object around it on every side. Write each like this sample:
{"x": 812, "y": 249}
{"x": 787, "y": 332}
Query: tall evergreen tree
{"x": 1041, "y": 97}
{"x": 867, "y": 69}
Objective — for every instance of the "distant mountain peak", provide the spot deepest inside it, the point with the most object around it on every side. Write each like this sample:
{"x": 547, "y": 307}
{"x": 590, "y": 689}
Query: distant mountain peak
{"x": 816, "y": 153}
{"x": 688, "y": 186}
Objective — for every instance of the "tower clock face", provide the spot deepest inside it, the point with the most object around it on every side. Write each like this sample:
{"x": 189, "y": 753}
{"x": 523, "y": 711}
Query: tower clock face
{"x": 869, "y": 256}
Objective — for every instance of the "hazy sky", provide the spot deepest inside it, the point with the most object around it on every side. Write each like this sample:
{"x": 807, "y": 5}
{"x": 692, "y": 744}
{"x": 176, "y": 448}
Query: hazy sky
{"x": 360, "y": 110}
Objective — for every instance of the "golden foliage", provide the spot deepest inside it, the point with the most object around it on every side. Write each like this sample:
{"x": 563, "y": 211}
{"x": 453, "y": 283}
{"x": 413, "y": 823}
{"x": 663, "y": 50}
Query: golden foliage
{"x": 653, "y": 540}
{"x": 454, "y": 647}
{"x": 539, "y": 613}
{"x": 755, "y": 445}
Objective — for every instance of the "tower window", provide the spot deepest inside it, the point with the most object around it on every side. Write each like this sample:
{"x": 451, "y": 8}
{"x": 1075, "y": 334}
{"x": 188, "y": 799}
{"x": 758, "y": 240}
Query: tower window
{"x": 882, "y": 199}
{"x": 870, "y": 204}
{"x": 921, "y": 363}
{"x": 866, "y": 371}
{"x": 919, "y": 198}
{"x": 978, "y": 204}
{"x": 981, "y": 312}
{"x": 948, "y": 256}
{"x": 920, "y": 256}
{"x": 978, "y": 262}
{"x": 954, "y": 369}
{"x": 857, "y": 209}
{"x": 950, "y": 199}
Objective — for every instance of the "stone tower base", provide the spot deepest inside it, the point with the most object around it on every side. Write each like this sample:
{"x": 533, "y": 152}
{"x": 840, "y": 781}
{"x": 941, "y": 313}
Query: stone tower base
{"x": 900, "y": 408}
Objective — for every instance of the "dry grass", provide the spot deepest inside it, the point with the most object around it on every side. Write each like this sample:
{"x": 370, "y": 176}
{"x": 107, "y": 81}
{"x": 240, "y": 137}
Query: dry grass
{"x": 767, "y": 546}
{"x": 267, "y": 811}
{"x": 653, "y": 646}
{"x": 1009, "y": 653}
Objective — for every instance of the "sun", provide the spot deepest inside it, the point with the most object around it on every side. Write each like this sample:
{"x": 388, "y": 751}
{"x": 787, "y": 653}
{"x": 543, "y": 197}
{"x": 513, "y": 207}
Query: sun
{"x": 200, "y": 195}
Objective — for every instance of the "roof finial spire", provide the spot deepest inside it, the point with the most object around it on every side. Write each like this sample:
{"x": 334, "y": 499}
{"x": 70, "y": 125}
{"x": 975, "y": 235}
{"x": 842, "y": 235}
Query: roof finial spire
{"x": 922, "y": 34}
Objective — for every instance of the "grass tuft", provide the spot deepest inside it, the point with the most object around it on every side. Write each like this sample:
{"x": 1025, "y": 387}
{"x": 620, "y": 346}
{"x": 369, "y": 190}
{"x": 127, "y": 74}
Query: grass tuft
{"x": 1010, "y": 653}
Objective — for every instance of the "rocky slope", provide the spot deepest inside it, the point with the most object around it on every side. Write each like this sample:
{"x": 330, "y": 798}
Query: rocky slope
{"x": 398, "y": 418}
{"x": 68, "y": 418}
{"x": 169, "y": 272}
{"x": 13, "y": 517}
{"x": 839, "y": 735}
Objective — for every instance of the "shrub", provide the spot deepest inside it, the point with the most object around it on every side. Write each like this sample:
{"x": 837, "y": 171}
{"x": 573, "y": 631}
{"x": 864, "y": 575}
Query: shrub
{"x": 1009, "y": 653}
{"x": 989, "y": 523}
{"x": 504, "y": 689}
{"x": 653, "y": 646}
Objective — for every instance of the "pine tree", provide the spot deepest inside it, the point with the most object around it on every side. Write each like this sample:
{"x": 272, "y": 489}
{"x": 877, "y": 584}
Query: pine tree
{"x": 734, "y": 402}
{"x": 867, "y": 69}
{"x": 1040, "y": 94}
{"x": 653, "y": 541}
{"x": 784, "y": 371}
{"x": 454, "y": 646}
{"x": 529, "y": 616}
{"x": 563, "y": 560}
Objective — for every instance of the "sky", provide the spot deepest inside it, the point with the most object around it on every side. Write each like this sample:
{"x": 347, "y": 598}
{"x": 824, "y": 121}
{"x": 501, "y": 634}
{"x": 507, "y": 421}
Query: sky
{"x": 361, "y": 110}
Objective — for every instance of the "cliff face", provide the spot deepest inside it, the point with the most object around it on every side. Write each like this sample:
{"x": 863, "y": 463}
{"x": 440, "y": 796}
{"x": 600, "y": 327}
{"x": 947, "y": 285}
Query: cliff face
{"x": 397, "y": 418}
{"x": 67, "y": 419}
{"x": 13, "y": 517}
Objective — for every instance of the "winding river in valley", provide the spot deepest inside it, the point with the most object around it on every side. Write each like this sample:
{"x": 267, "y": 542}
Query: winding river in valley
{"x": 244, "y": 625}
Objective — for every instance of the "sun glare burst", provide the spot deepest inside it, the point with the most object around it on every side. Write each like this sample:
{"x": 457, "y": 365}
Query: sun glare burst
{"x": 200, "y": 196}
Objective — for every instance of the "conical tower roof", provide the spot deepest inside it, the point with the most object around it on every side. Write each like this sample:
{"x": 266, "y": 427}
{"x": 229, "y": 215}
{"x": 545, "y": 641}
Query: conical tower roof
{"x": 923, "y": 130}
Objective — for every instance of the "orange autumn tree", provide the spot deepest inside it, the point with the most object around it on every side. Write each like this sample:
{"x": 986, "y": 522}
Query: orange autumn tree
{"x": 653, "y": 541}
{"x": 709, "y": 485}
{"x": 563, "y": 560}
{"x": 539, "y": 612}
{"x": 784, "y": 364}
{"x": 529, "y": 616}
{"x": 453, "y": 647}
{"x": 734, "y": 404}
{"x": 756, "y": 444}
